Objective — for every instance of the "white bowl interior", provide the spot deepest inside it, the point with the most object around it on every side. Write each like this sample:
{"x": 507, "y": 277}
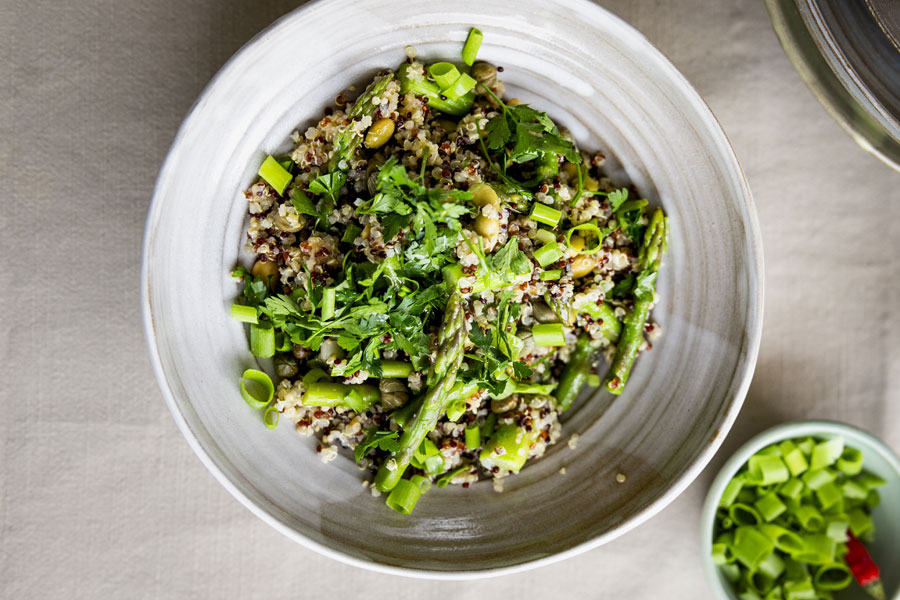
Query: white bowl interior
{"x": 877, "y": 458}
{"x": 595, "y": 75}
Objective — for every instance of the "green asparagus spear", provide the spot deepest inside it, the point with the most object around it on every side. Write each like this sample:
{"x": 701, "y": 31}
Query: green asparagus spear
{"x": 508, "y": 448}
{"x": 346, "y": 143}
{"x": 649, "y": 256}
{"x": 575, "y": 374}
{"x": 610, "y": 326}
{"x": 347, "y": 140}
{"x": 441, "y": 377}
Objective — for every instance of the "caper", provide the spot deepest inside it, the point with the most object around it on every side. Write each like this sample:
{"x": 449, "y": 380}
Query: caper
{"x": 447, "y": 125}
{"x": 543, "y": 313}
{"x": 285, "y": 366}
{"x": 502, "y": 405}
{"x": 373, "y": 168}
{"x": 393, "y": 393}
{"x": 485, "y": 73}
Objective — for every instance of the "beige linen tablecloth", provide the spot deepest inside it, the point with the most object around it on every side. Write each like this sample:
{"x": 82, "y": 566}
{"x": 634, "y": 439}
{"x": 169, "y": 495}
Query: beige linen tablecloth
{"x": 101, "y": 496}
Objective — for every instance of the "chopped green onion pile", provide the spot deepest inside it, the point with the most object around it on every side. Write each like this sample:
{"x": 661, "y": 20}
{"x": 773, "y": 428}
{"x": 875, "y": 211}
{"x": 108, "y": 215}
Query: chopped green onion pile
{"x": 782, "y": 521}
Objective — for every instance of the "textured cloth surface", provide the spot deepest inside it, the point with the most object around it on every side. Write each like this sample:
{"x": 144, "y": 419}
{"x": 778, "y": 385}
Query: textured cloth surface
{"x": 100, "y": 497}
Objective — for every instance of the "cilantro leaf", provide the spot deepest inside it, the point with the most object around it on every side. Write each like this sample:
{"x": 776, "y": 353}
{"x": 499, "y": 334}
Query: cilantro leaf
{"x": 351, "y": 233}
{"x": 392, "y": 224}
{"x": 498, "y": 131}
{"x": 509, "y": 259}
{"x": 616, "y": 198}
{"x": 348, "y": 342}
{"x": 255, "y": 289}
{"x": 534, "y": 134}
{"x": 521, "y": 370}
{"x": 329, "y": 184}
{"x": 384, "y": 440}
{"x": 386, "y": 202}
{"x": 481, "y": 338}
{"x": 302, "y": 204}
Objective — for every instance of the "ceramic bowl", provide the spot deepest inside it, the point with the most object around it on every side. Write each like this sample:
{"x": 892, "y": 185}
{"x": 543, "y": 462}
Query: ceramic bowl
{"x": 877, "y": 458}
{"x": 605, "y": 82}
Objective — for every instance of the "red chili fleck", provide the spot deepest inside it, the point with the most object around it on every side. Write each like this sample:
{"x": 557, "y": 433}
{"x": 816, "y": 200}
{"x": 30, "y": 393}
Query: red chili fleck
{"x": 861, "y": 564}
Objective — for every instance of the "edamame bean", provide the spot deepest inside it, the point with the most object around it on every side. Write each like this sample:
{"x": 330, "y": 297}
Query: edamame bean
{"x": 379, "y": 133}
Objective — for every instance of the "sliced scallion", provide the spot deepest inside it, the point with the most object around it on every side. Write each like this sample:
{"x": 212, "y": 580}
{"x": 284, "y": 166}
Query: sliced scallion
{"x": 395, "y": 369}
{"x": 282, "y": 342}
{"x": 833, "y": 576}
{"x": 548, "y": 253}
{"x": 246, "y": 314}
{"x": 850, "y": 462}
{"x": 270, "y": 417}
{"x": 262, "y": 339}
{"x": 826, "y": 453}
{"x": 584, "y": 228}
{"x": 548, "y": 334}
{"x": 472, "y": 45}
{"x": 434, "y": 465}
{"x": 473, "y": 437}
{"x": 545, "y": 214}
{"x": 544, "y": 236}
{"x": 551, "y": 275}
{"x": 274, "y": 174}
{"x": 257, "y": 388}
{"x": 444, "y": 74}
{"x": 404, "y": 496}
{"x": 328, "y": 300}
{"x": 751, "y": 547}
{"x": 792, "y": 488}
{"x": 770, "y": 507}
{"x": 464, "y": 84}
{"x": 767, "y": 469}
{"x": 446, "y": 479}
{"x": 803, "y": 495}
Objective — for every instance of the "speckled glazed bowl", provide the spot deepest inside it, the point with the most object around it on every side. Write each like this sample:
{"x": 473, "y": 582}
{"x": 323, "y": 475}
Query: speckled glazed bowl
{"x": 877, "y": 458}
{"x": 607, "y": 84}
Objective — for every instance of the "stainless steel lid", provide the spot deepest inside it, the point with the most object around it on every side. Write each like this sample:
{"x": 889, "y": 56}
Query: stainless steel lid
{"x": 847, "y": 53}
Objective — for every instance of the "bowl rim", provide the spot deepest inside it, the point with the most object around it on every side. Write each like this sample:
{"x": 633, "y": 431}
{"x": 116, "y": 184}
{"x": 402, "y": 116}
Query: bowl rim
{"x": 742, "y": 376}
{"x": 769, "y": 436}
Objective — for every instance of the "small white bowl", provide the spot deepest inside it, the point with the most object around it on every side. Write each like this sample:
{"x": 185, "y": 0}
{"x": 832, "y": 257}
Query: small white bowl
{"x": 606, "y": 83}
{"x": 877, "y": 458}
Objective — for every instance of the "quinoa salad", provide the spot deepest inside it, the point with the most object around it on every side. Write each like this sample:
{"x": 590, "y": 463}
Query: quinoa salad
{"x": 439, "y": 271}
